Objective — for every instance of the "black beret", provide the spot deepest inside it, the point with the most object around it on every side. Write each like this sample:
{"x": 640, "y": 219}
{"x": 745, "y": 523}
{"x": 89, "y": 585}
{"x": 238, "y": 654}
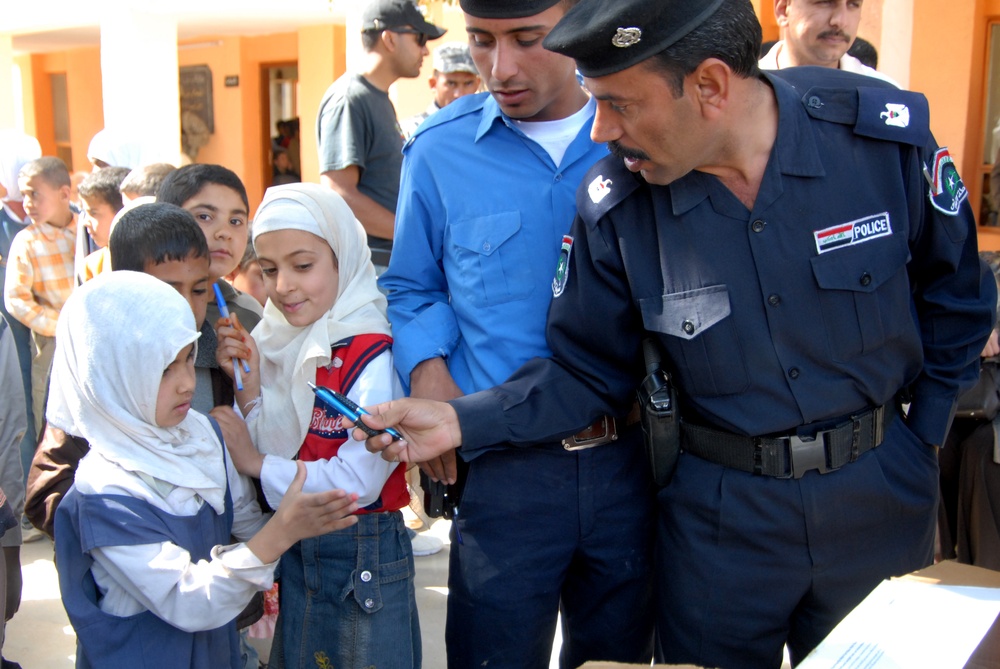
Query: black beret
{"x": 505, "y": 9}
{"x": 607, "y": 36}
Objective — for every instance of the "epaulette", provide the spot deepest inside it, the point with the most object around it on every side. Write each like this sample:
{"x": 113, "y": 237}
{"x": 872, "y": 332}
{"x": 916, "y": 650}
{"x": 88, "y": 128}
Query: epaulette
{"x": 875, "y": 108}
{"x": 463, "y": 106}
{"x": 605, "y": 186}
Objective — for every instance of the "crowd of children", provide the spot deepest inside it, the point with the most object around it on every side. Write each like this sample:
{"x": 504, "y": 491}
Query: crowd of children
{"x": 180, "y": 450}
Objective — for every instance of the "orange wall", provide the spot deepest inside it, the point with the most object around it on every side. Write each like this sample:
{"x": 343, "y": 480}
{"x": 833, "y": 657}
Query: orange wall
{"x": 322, "y": 59}
{"x": 236, "y": 142}
{"x": 83, "y": 87}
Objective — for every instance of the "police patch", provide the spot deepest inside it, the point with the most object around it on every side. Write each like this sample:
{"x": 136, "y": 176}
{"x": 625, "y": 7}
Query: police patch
{"x": 562, "y": 269}
{"x": 856, "y": 232}
{"x": 947, "y": 192}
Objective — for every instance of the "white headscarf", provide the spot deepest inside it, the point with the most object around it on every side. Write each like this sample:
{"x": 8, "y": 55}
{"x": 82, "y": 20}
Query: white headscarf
{"x": 289, "y": 354}
{"x": 116, "y": 149}
{"x": 16, "y": 151}
{"x": 116, "y": 334}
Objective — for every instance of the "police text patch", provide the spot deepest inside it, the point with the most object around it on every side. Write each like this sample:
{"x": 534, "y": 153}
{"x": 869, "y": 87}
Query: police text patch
{"x": 855, "y": 232}
{"x": 562, "y": 269}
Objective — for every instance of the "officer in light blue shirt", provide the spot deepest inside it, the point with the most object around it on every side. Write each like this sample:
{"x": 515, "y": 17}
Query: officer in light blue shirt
{"x": 486, "y": 201}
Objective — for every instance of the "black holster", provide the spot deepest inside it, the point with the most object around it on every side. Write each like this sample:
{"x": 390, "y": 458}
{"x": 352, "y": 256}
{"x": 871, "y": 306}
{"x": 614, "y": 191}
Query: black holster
{"x": 660, "y": 416}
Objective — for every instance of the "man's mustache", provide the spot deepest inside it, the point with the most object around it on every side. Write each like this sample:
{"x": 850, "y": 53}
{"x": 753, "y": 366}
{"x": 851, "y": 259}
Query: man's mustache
{"x": 620, "y": 151}
{"x": 834, "y": 33}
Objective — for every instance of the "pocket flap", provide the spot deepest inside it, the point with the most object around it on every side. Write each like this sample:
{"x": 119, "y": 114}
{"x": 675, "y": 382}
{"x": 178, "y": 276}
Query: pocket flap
{"x": 687, "y": 314}
{"x": 486, "y": 234}
{"x": 861, "y": 268}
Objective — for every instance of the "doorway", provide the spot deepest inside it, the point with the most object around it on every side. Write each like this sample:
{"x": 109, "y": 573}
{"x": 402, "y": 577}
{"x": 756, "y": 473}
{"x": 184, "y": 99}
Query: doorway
{"x": 281, "y": 162}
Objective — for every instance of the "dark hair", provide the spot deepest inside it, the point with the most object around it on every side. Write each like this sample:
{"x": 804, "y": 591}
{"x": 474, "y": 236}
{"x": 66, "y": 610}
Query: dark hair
{"x": 864, "y": 51}
{"x": 732, "y": 34}
{"x": 146, "y": 180}
{"x": 155, "y": 233}
{"x": 105, "y": 184}
{"x": 184, "y": 183}
{"x": 52, "y": 171}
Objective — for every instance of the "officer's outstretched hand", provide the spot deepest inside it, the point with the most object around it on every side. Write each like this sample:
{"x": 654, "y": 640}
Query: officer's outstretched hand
{"x": 429, "y": 429}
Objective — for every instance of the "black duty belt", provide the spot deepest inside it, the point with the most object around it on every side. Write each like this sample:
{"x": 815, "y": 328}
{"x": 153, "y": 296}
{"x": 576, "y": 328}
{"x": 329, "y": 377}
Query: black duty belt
{"x": 790, "y": 456}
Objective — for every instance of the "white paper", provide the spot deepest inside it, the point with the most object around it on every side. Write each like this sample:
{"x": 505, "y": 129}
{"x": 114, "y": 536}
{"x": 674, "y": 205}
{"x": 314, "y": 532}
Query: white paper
{"x": 909, "y": 625}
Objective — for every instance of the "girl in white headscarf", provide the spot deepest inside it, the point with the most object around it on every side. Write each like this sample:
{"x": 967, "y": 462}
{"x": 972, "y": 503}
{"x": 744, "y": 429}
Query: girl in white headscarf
{"x": 347, "y": 596}
{"x": 145, "y": 574}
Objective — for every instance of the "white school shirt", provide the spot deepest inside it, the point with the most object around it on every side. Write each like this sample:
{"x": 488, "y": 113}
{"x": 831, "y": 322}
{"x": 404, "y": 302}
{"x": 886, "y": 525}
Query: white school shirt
{"x": 162, "y": 578}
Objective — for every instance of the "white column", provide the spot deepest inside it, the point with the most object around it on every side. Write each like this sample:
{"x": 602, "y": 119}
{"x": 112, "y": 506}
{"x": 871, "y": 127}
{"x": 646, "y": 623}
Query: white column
{"x": 352, "y": 34}
{"x": 897, "y": 40}
{"x": 139, "y": 73}
{"x": 11, "y": 96}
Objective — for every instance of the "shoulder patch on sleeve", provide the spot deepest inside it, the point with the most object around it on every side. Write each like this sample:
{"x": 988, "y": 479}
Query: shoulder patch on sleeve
{"x": 947, "y": 192}
{"x": 606, "y": 185}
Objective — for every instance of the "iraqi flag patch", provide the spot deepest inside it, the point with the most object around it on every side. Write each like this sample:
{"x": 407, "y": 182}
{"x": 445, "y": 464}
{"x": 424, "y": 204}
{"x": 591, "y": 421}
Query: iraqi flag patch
{"x": 562, "y": 269}
{"x": 856, "y": 232}
{"x": 946, "y": 192}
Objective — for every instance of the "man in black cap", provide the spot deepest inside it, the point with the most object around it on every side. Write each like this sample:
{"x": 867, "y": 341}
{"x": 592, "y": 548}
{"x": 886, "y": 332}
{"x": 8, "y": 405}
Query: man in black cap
{"x": 359, "y": 137}
{"x": 486, "y": 198}
{"x": 804, "y": 255}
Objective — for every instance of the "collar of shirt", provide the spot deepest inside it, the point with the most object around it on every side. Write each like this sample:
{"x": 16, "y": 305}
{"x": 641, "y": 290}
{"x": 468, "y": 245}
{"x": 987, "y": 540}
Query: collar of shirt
{"x": 794, "y": 152}
{"x": 52, "y": 233}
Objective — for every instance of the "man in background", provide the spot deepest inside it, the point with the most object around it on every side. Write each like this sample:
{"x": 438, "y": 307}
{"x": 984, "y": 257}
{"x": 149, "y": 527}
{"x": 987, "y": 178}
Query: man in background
{"x": 818, "y": 32}
{"x": 360, "y": 142}
{"x": 454, "y": 75}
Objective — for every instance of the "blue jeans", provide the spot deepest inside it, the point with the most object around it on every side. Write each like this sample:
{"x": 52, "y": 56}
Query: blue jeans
{"x": 347, "y": 600}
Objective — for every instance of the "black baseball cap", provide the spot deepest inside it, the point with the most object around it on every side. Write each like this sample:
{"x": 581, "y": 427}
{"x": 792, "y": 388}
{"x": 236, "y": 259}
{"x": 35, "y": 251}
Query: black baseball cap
{"x": 389, "y": 14}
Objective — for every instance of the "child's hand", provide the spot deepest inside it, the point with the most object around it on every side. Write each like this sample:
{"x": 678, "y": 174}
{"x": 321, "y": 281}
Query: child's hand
{"x": 236, "y": 342}
{"x": 302, "y": 515}
{"x": 247, "y": 460}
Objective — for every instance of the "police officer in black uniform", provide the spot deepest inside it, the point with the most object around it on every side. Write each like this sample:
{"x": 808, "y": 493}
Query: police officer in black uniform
{"x": 804, "y": 254}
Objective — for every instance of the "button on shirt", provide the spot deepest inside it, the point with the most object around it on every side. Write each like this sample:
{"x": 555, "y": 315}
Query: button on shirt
{"x": 903, "y": 304}
{"x": 481, "y": 216}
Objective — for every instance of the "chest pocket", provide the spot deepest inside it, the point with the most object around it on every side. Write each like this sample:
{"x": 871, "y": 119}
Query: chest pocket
{"x": 491, "y": 259}
{"x": 701, "y": 338}
{"x": 865, "y": 296}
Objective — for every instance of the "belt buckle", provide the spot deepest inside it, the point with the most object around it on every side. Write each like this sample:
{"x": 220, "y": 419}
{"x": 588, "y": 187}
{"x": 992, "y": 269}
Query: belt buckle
{"x": 806, "y": 454}
{"x": 609, "y": 434}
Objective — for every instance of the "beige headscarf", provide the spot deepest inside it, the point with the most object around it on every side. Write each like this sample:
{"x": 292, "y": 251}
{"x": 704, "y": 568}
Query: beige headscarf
{"x": 290, "y": 355}
{"x": 116, "y": 334}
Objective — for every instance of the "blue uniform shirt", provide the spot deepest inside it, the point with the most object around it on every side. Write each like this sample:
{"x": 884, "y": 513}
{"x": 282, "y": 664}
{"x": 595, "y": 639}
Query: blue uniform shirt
{"x": 855, "y": 275}
{"x": 481, "y": 215}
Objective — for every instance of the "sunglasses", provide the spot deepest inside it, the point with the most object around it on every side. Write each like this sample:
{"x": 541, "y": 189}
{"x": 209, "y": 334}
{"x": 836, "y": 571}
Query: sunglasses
{"x": 421, "y": 37}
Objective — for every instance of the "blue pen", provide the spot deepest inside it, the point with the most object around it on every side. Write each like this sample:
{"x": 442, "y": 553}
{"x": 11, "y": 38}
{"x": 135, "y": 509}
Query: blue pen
{"x": 347, "y": 408}
{"x": 224, "y": 312}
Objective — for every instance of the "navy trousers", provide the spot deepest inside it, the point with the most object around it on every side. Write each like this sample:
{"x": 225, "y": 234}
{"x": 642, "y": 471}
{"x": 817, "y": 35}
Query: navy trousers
{"x": 747, "y": 563}
{"x": 542, "y": 530}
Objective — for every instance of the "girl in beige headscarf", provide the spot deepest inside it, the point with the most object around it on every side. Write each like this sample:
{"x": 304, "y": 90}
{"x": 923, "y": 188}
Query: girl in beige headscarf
{"x": 347, "y": 596}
